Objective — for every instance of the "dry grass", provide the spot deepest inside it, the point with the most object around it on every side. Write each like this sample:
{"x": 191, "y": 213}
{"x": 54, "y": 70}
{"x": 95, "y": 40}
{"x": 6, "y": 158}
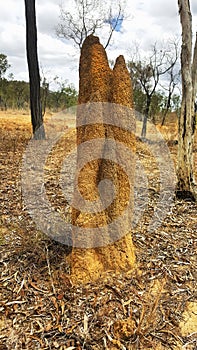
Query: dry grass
{"x": 39, "y": 306}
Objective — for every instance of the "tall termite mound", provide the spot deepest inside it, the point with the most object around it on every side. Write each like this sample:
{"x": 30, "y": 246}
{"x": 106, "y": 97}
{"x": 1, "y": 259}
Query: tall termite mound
{"x": 105, "y": 166}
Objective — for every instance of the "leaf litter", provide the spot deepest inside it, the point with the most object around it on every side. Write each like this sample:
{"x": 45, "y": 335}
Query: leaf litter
{"x": 40, "y": 308}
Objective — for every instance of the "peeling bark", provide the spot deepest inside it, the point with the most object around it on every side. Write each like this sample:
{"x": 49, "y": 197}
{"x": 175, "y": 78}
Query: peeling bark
{"x": 185, "y": 183}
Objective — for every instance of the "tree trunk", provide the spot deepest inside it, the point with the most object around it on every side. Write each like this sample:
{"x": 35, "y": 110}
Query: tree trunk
{"x": 34, "y": 76}
{"x": 145, "y": 120}
{"x": 102, "y": 236}
{"x": 167, "y": 108}
{"x": 185, "y": 184}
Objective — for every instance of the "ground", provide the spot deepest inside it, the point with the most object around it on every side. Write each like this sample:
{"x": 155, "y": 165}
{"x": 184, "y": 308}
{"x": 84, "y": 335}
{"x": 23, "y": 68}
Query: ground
{"x": 153, "y": 307}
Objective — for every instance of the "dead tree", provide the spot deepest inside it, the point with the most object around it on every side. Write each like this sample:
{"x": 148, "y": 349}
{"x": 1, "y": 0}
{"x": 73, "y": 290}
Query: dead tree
{"x": 86, "y": 18}
{"x": 33, "y": 66}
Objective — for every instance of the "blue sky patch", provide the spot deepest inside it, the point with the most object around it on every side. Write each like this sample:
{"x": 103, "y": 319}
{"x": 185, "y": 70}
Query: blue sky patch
{"x": 116, "y": 22}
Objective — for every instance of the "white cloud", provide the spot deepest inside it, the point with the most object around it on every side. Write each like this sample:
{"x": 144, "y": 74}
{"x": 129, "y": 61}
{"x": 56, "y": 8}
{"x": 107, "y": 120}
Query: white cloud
{"x": 47, "y": 17}
{"x": 58, "y": 58}
{"x": 149, "y": 21}
{"x": 162, "y": 9}
{"x": 55, "y": 55}
{"x": 12, "y": 40}
{"x": 12, "y": 11}
{"x": 194, "y": 7}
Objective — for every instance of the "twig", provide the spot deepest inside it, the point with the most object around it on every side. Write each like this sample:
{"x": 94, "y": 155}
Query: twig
{"x": 21, "y": 286}
{"x": 16, "y": 302}
{"x": 38, "y": 289}
{"x": 49, "y": 269}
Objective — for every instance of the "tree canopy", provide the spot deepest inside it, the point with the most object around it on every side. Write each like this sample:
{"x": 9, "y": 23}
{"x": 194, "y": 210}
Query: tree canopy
{"x": 4, "y": 65}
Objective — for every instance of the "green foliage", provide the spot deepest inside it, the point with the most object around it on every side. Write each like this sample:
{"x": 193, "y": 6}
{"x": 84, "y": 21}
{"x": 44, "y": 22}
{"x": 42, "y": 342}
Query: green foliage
{"x": 145, "y": 80}
{"x": 156, "y": 105}
{"x": 14, "y": 94}
{"x": 63, "y": 97}
{"x": 176, "y": 103}
{"x": 139, "y": 100}
{"x": 4, "y": 65}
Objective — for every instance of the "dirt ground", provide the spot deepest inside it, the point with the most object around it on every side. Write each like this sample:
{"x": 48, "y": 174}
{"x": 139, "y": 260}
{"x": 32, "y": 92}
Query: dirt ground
{"x": 153, "y": 307}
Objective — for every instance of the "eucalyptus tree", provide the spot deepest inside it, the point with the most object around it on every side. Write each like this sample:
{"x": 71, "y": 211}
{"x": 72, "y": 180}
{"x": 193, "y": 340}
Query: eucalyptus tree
{"x": 147, "y": 71}
{"x": 186, "y": 184}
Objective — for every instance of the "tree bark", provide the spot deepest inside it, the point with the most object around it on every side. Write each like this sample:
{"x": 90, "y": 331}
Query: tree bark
{"x": 145, "y": 120}
{"x": 167, "y": 107}
{"x": 185, "y": 183}
{"x": 33, "y": 66}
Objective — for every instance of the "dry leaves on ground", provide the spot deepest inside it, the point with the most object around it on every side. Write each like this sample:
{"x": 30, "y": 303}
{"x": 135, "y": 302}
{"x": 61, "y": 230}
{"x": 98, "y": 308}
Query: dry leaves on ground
{"x": 41, "y": 309}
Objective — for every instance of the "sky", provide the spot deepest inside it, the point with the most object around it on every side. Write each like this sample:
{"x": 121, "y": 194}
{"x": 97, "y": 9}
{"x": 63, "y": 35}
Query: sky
{"x": 146, "y": 22}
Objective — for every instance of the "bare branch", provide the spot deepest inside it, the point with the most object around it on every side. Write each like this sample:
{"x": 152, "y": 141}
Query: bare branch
{"x": 148, "y": 73}
{"x": 113, "y": 26}
{"x": 86, "y": 18}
